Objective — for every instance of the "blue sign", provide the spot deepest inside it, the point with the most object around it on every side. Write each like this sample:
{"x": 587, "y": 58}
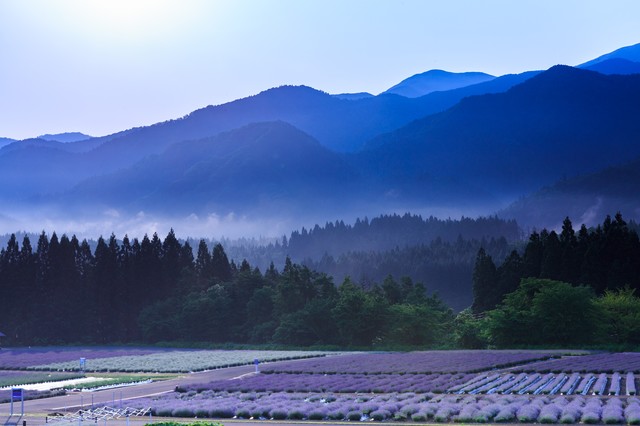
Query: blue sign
{"x": 256, "y": 361}
{"x": 16, "y": 393}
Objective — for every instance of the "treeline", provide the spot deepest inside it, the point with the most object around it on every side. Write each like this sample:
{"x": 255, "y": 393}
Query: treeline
{"x": 157, "y": 290}
{"x": 388, "y": 232}
{"x": 61, "y": 291}
{"x": 567, "y": 289}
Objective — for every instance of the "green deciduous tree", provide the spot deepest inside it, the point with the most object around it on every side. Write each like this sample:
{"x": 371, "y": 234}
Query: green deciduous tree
{"x": 544, "y": 312}
{"x": 620, "y": 316}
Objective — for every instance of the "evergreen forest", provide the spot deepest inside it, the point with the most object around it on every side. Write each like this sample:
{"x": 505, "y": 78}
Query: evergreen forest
{"x": 566, "y": 289}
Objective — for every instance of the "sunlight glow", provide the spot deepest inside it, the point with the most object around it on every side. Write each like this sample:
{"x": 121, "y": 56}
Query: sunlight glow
{"x": 125, "y": 21}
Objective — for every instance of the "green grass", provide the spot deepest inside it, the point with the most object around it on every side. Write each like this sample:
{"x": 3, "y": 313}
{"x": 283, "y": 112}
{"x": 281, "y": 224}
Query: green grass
{"x": 119, "y": 379}
{"x": 16, "y": 378}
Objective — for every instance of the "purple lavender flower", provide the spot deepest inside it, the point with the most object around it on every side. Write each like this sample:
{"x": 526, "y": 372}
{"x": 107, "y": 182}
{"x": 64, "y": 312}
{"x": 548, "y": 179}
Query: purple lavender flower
{"x": 630, "y": 384}
{"x": 467, "y": 413}
{"x": 632, "y": 413}
{"x": 549, "y": 413}
{"x": 528, "y": 413}
{"x": 612, "y": 413}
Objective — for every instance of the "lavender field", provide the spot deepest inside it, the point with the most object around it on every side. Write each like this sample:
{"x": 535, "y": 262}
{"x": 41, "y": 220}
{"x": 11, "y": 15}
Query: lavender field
{"x": 595, "y": 363}
{"x": 22, "y": 358}
{"x": 398, "y": 406}
{"x": 338, "y": 383}
{"x": 550, "y": 384}
{"x": 163, "y": 361}
{"x": 464, "y": 361}
{"x": 364, "y": 387}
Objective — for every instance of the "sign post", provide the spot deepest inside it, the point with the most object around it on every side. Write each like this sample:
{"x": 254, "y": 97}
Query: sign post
{"x": 256, "y": 362}
{"x": 83, "y": 364}
{"x": 17, "y": 394}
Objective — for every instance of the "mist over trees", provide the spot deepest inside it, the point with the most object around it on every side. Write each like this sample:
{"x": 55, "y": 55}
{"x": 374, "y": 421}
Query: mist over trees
{"x": 572, "y": 289}
{"x": 437, "y": 252}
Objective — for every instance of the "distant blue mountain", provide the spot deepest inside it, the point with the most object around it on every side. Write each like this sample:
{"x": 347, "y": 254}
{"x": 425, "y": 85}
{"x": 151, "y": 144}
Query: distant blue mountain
{"x": 338, "y": 124}
{"x": 65, "y": 137}
{"x": 630, "y": 53}
{"x": 486, "y": 150}
{"x": 564, "y": 121}
{"x": 6, "y": 141}
{"x": 353, "y": 96}
{"x": 436, "y": 81}
{"x": 271, "y": 168}
{"x": 300, "y": 150}
{"x": 614, "y": 66}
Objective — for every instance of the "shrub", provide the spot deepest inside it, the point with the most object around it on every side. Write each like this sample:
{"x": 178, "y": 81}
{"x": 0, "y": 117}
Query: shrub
{"x": 278, "y": 414}
{"x": 335, "y": 415}
{"x": 590, "y": 418}
{"x": 296, "y": 414}
{"x": 380, "y": 415}
{"x": 201, "y": 412}
{"x": 222, "y": 412}
{"x": 243, "y": 413}
{"x": 354, "y": 416}
{"x": 164, "y": 412}
{"x": 419, "y": 417}
{"x": 316, "y": 415}
{"x": 183, "y": 412}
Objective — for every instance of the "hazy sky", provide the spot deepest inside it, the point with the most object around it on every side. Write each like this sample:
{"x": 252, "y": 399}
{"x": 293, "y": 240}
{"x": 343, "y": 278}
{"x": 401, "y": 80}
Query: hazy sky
{"x": 106, "y": 65}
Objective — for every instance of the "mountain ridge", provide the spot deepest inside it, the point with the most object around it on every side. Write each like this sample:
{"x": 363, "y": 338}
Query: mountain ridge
{"x": 436, "y": 81}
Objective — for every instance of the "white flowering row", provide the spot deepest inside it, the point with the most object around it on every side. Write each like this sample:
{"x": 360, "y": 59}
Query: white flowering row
{"x": 180, "y": 361}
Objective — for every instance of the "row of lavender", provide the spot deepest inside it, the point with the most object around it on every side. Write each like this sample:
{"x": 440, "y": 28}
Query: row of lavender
{"x": 550, "y": 384}
{"x": 21, "y": 358}
{"x": 595, "y": 363}
{"x": 427, "y": 362}
{"x": 403, "y": 406}
{"x": 339, "y": 383}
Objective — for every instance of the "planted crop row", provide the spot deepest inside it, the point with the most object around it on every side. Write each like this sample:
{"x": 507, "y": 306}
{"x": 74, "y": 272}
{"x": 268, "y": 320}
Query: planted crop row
{"x": 339, "y": 383}
{"x": 403, "y": 406}
{"x": 549, "y": 384}
{"x": 179, "y": 361}
{"x": 22, "y": 358}
{"x": 413, "y": 362}
{"x": 596, "y": 363}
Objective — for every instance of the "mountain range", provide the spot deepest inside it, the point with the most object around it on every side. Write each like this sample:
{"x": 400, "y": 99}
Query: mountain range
{"x": 527, "y": 145}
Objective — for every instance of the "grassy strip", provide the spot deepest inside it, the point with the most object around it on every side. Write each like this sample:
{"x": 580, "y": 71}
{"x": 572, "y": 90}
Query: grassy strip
{"x": 32, "y": 378}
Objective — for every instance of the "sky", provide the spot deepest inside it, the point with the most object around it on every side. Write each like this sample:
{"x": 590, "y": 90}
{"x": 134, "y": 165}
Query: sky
{"x": 101, "y": 66}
